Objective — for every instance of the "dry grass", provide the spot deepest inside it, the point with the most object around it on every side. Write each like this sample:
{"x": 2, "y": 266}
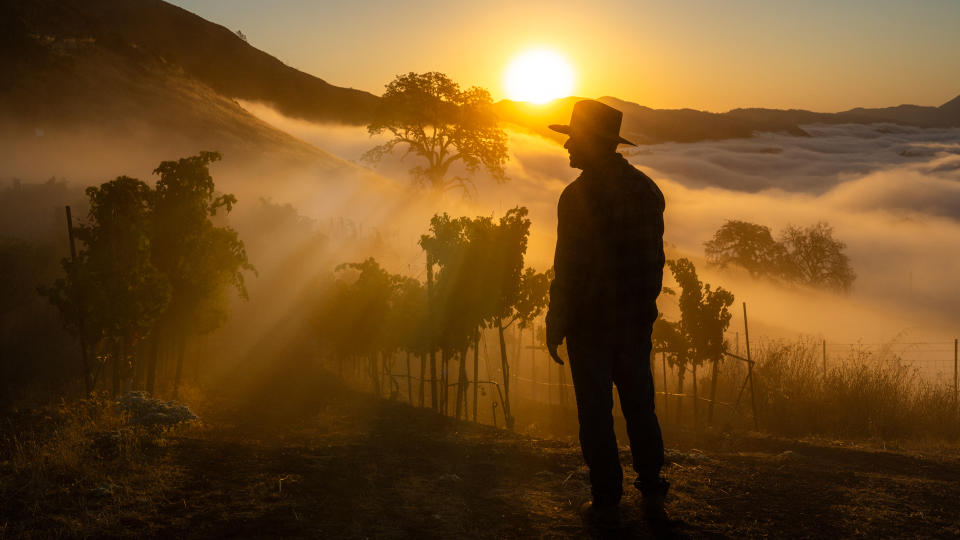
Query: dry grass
{"x": 867, "y": 395}
{"x": 76, "y": 469}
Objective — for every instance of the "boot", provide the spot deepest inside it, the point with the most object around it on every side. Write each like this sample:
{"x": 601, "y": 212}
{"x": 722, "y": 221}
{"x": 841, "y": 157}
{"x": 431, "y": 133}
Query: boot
{"x": 654, "y": 496}
{"x": 600, "y": 516}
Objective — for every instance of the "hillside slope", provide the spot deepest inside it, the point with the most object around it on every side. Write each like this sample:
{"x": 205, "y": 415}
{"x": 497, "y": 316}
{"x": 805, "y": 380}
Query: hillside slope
{"x": 87, "y": 103}
{"x": 205, "y": 51}
{"x": 315, "y": 461}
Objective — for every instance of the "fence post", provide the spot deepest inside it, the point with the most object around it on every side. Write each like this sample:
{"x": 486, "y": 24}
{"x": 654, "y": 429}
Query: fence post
{"x": 753, "y": 395}
{"x": 824, "y": 359}
{"x": 713, "y": 391}
{"x": 88, "y": 381}
{"x": 956, "y": 379}
{"x": 666, "y": 398}
{"x": 433, "y": 353}
{"x": 696, "y": 400}
{"x": 476, "y": 372}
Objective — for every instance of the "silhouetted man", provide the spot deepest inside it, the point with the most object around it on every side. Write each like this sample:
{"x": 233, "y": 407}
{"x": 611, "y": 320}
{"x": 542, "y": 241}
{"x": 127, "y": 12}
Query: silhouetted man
{"x": 609, "y": 272}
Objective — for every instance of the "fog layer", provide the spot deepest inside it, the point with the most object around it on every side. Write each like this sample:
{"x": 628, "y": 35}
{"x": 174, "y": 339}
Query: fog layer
{"x": 891, "y": 193}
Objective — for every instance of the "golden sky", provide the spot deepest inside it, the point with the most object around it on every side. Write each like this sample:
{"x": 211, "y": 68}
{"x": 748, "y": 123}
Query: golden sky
{"x": 817, "y": 55}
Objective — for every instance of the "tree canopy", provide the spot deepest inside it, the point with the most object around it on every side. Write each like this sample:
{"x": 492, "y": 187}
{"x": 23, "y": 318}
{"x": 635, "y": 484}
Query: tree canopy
{"x": 112, "y": 285}
{"x": 748, "y": 245}
{"x": 704, "y": 317}
{"x": 152, "y": 263}
{"x": 441, "y": 124}
{"x": 818, "y": 258}
{"x": 199, "y": 258}
{"x": 807, "y": 255}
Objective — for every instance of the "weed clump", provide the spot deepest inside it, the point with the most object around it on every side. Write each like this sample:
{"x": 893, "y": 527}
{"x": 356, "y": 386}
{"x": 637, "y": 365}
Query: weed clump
{"x": 143, "y": 410}
{"x": 83, "y": 461}
{"x": 868, "y": 394}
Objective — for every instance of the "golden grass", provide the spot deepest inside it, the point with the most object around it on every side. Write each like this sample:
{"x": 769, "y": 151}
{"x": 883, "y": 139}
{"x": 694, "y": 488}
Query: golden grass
{"x": 75, "y": 469}
{"x": 867, "y": 395}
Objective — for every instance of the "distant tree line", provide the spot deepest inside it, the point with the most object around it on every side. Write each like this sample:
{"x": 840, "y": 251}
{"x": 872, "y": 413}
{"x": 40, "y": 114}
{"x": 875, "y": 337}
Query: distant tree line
{"x": 805, "y": 255}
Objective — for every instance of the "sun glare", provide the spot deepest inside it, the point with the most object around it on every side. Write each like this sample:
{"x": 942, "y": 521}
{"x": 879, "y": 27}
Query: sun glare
{"x": 539, "y": 76}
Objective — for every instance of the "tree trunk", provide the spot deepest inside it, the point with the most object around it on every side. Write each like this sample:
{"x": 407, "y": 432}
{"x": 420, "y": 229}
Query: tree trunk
{"x": 181, "y": 352}
{"x": 423, "y": 375}
{"x": 375, "y": 373}
{"x": 476, "y": 372}
{"x": 433, "y": 381}
{"x": 393, "y": 387}
{"x": 409, "y": 381}
{"x": 533, "y": 363}
{"x": 139, "y": 365}
{"x": 506, "y": 376}
{"x": 152, "y": 355}
{"x": 679, "y": 391}
{"x": 461, "y": 382}
{"x": 125, "y": 372}
{"x": 444, "y": 381}
{"x": 115, "y": 382}
{"x": 433, "y": 352}
{"x": 696, "y": 400}
{"x": 713, "y": 390}
{"x": 518, "y": 356}
{"x": 465, "y": 381}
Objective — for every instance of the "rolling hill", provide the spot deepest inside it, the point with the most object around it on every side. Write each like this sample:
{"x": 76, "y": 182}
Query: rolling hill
{"x": 644, "y": 125}
{"x": 204, "y": 51}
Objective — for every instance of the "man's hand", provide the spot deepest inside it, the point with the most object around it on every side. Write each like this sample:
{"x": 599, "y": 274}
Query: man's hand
{"x": 554, "y": 337}
{"x": 552, "y": 348}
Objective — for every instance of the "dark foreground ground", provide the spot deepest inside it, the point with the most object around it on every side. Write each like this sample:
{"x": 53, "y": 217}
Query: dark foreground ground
{"x": 350, "y": 466}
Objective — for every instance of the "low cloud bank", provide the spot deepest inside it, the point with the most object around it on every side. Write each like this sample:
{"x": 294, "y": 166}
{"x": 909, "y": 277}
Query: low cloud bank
{"x": 891, "y": 193}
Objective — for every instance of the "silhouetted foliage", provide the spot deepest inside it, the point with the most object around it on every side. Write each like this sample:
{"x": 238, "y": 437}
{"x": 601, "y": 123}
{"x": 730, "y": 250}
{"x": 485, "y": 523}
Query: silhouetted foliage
{"x": 698, "y": 336}
{"x": 481, "y": 281}
{"x": 200, "y": 260}
{"x": 442, "y": 124}
{"x": 113, "y": 283}
{"x": 152, "y": 264}
{"x": 807, "y": 255}
{"x": 748, "y": 245}
{"x": 533, "y": 296}
{"x": 817, "y": 258}
{"x": 368, "y": 314}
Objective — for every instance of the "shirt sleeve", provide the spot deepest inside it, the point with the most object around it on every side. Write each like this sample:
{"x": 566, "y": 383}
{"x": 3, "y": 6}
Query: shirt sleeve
{"x": 561, "y": 289}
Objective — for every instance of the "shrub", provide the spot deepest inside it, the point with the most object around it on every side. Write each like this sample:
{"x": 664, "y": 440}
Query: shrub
{"x": 866, "y": 395}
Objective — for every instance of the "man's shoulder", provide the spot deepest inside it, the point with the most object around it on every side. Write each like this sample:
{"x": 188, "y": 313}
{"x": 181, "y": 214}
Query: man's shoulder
{"x": 631, "y": 170}
{"x": 645, "y": 181}
{"x": 573, "y": 190}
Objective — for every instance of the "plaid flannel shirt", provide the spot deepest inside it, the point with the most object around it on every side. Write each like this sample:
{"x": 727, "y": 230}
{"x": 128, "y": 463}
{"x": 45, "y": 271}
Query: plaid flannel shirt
{"x": 609, "y": 257}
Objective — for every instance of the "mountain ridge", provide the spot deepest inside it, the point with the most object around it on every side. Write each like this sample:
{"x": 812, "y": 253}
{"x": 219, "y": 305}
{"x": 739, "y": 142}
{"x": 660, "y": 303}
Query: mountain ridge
{"x": 645, "y": 125}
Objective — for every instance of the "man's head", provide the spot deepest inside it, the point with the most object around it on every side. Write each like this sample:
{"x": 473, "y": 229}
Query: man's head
{"x": 594, "y": 131}
{"x": 586, "y": 152}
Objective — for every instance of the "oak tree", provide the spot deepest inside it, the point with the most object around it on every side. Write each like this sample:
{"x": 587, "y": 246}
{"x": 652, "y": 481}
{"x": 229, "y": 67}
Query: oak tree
{"x": 441, "y": 124}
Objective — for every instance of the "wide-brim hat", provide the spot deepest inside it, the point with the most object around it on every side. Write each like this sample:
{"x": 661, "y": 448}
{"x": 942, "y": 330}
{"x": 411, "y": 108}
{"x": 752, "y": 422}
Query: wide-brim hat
{"x": 593, "y": 119}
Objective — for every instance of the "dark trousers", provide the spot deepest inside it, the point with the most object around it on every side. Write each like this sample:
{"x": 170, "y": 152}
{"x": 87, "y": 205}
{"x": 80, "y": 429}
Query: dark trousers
{"x": 597, "y": 362}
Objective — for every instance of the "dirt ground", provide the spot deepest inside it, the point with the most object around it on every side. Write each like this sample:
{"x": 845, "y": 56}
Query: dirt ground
{"x": 351, "y": 466}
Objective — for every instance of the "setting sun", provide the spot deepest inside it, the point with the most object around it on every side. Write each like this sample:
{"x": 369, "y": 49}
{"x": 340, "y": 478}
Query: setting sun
{"x": 539, "y": 76}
